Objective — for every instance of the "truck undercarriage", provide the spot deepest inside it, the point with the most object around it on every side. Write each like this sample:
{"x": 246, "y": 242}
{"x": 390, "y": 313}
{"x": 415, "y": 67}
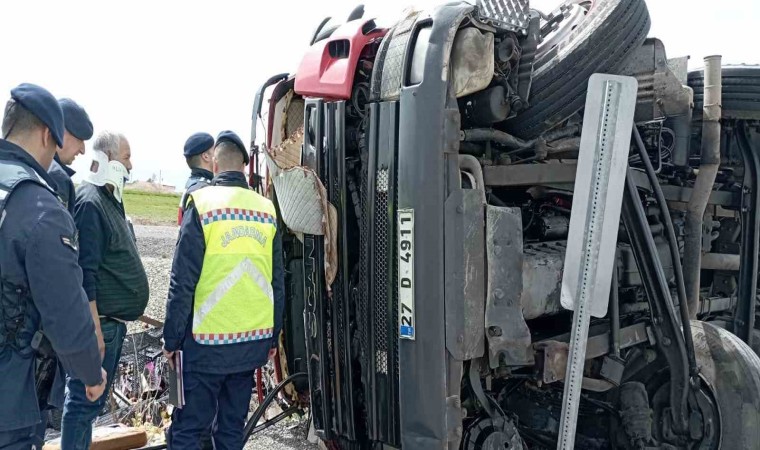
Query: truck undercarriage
{"x": 426, "y": 176}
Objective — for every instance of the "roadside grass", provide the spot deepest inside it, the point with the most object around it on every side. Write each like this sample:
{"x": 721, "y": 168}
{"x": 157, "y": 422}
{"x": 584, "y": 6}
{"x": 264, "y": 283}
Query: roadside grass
{"x": 151, "y": 208}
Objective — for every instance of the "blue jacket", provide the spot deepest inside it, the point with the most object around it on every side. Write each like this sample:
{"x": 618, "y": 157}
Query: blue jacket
{"x": 61, "y": 174}
{"x": 186, "y": 271}
{"x": 38, "y": 255}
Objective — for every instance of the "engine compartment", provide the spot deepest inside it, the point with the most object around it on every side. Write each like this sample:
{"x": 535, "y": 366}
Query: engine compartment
{"x": 488, "y": 165}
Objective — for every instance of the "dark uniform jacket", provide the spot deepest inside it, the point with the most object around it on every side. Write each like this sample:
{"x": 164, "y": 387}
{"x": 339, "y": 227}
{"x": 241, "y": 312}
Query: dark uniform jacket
{"x": 61, "y": 174}
{"x": 199, "y": 178}
{"x": 42, "y": 287}
{"x": 186, "y": 271}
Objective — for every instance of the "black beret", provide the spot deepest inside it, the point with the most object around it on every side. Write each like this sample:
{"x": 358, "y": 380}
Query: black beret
{"x": 198, "y": 143}
{"x": 38, "y": 101}
{"x": 75, "y": 119}
{"x": 230, "y": 136}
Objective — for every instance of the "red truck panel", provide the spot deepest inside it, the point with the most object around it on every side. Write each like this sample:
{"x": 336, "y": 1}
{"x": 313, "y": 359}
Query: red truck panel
{"x": 327, "y": 70}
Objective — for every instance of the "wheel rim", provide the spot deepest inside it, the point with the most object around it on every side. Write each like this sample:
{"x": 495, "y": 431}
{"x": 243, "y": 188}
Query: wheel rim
{"x": 557, "y": 26}
{"x": 704, "y": 399}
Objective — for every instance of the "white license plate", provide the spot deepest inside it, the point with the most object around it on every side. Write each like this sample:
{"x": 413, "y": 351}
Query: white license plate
{"x": 406, "y": 273}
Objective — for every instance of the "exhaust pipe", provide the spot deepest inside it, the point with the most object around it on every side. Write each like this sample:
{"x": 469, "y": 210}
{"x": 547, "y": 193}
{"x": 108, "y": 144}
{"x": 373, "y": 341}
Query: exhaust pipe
{"x": 708, "y": 170}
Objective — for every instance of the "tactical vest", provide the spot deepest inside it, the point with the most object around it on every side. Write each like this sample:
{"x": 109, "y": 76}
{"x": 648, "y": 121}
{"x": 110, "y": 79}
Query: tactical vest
{"x": 15, "y": 299}
{"x": 193, "y": 184}
{"x": 234, "y": 301}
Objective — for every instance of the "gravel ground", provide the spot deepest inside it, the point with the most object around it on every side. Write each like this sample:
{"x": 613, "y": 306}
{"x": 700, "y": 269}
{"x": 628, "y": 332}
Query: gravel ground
{"x": 156, "y": 246}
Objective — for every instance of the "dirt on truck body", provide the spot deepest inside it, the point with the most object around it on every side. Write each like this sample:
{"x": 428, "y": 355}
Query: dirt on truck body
{"x": 427, "y": 176}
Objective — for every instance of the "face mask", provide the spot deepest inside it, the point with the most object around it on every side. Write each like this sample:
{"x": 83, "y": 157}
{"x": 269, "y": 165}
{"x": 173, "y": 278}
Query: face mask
{"x": 117, "y": 177}
{"x": 98, "y": 173}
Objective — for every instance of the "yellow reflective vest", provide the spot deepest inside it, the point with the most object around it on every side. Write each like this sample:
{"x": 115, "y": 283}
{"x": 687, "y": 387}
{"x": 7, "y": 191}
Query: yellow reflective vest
{"x": 234, "y": 301}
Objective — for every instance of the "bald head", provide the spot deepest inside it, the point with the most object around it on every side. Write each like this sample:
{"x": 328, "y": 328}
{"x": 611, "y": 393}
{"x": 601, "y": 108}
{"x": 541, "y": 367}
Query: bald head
{"x": 228, "y": 158}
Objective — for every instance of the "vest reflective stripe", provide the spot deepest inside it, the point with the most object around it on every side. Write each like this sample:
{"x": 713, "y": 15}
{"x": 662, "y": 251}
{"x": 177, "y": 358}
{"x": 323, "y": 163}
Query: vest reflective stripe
{"x": 234, "y": 301}
{"x": 246, "y": 267}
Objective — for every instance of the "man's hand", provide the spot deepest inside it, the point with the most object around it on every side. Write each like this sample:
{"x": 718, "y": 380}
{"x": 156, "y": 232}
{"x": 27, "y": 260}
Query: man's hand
{"x": 94, "y": 392}
{"x": 169, "y": 357}
{"x": 272, "y": 353}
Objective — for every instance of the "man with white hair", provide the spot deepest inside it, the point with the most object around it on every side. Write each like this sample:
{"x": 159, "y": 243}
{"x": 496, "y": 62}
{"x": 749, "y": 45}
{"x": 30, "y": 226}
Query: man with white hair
{"x": 113, "y": 275}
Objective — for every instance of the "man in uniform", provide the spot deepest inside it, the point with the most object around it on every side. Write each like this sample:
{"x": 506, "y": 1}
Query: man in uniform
{"x": 78, "y": 129}
{"x": 199, "y": 155}
{"x": 40, "y": 278}
{"x": 226, "y": 300}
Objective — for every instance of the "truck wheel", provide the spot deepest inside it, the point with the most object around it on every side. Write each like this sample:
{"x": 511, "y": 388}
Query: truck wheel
{"x": 741, "y": 91}
{"x": 733, "y": 371}
{"x": 597, "y": 36}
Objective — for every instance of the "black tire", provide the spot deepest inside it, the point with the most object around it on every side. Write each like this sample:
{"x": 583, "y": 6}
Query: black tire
{"x": 741, "y": 91}
{"x": 733, "y": 371}
{"x": 608, "y": 34}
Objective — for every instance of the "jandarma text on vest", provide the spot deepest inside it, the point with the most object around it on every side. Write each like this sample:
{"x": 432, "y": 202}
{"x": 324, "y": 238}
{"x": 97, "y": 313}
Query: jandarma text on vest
{"x": 243, "y": 231}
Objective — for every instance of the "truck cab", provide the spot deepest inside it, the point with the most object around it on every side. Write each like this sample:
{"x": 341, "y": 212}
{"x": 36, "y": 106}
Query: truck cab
{"x": 426, "y": 176}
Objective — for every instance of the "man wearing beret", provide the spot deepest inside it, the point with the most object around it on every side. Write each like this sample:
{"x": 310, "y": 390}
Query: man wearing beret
{"x": 199, "y": 154}
{"x": 78, "y": 129}
{"x": 226, "y": 300}
{"x": 43, "y": 307}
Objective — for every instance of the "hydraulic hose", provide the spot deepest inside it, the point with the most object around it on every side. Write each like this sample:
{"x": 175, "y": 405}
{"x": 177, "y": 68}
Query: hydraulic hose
{"x": 675, "y": 254}
{"x": 251, "y": 424}
{"x": 489, "y": 134}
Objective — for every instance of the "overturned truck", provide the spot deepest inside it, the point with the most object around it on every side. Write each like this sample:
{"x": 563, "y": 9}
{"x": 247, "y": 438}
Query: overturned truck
{"x": 426, "y": 176}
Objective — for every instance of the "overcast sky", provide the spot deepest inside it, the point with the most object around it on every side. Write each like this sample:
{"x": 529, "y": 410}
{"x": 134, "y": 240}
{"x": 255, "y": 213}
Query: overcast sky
{"x": 159, "y": 71}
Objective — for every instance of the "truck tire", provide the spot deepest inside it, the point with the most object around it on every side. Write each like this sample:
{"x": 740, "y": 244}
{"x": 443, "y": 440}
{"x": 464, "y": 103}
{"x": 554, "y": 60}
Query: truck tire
{"x": 741, "y": 91}
{"x": 600, "y": 43}
{"x": 733, "y": 371}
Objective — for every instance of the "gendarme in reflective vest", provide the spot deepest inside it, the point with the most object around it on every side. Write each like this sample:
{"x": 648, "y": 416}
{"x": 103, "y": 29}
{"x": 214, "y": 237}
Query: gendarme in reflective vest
{"x": 234, "y": 301}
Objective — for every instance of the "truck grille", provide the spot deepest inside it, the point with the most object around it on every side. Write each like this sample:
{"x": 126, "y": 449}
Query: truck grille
{"x": 379, "y": 303}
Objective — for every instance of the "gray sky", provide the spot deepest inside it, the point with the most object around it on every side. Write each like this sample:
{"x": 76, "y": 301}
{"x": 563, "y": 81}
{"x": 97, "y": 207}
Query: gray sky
{"x": 159, "y": 71}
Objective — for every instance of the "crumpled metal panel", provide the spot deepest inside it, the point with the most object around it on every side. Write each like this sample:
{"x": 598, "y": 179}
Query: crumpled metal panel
{"x": 513, "y": 15}
{"x": 288, "y": 153}
{"x": 305, "y": 210}
{"x": 472, "y": 61}
{"x": 301, "y": 197}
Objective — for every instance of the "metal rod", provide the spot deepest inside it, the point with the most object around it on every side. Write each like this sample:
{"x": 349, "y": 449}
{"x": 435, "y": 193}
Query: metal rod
{"x": 703, "y": 186}
{"x": 615, "y": 313}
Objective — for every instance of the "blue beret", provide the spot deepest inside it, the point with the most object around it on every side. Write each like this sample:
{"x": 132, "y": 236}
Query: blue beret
{"x": 75, "y": 119}
{"x": 38, "y": 101}
{"x": 230, "y": 136}
{"x": 198, "y": 143}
